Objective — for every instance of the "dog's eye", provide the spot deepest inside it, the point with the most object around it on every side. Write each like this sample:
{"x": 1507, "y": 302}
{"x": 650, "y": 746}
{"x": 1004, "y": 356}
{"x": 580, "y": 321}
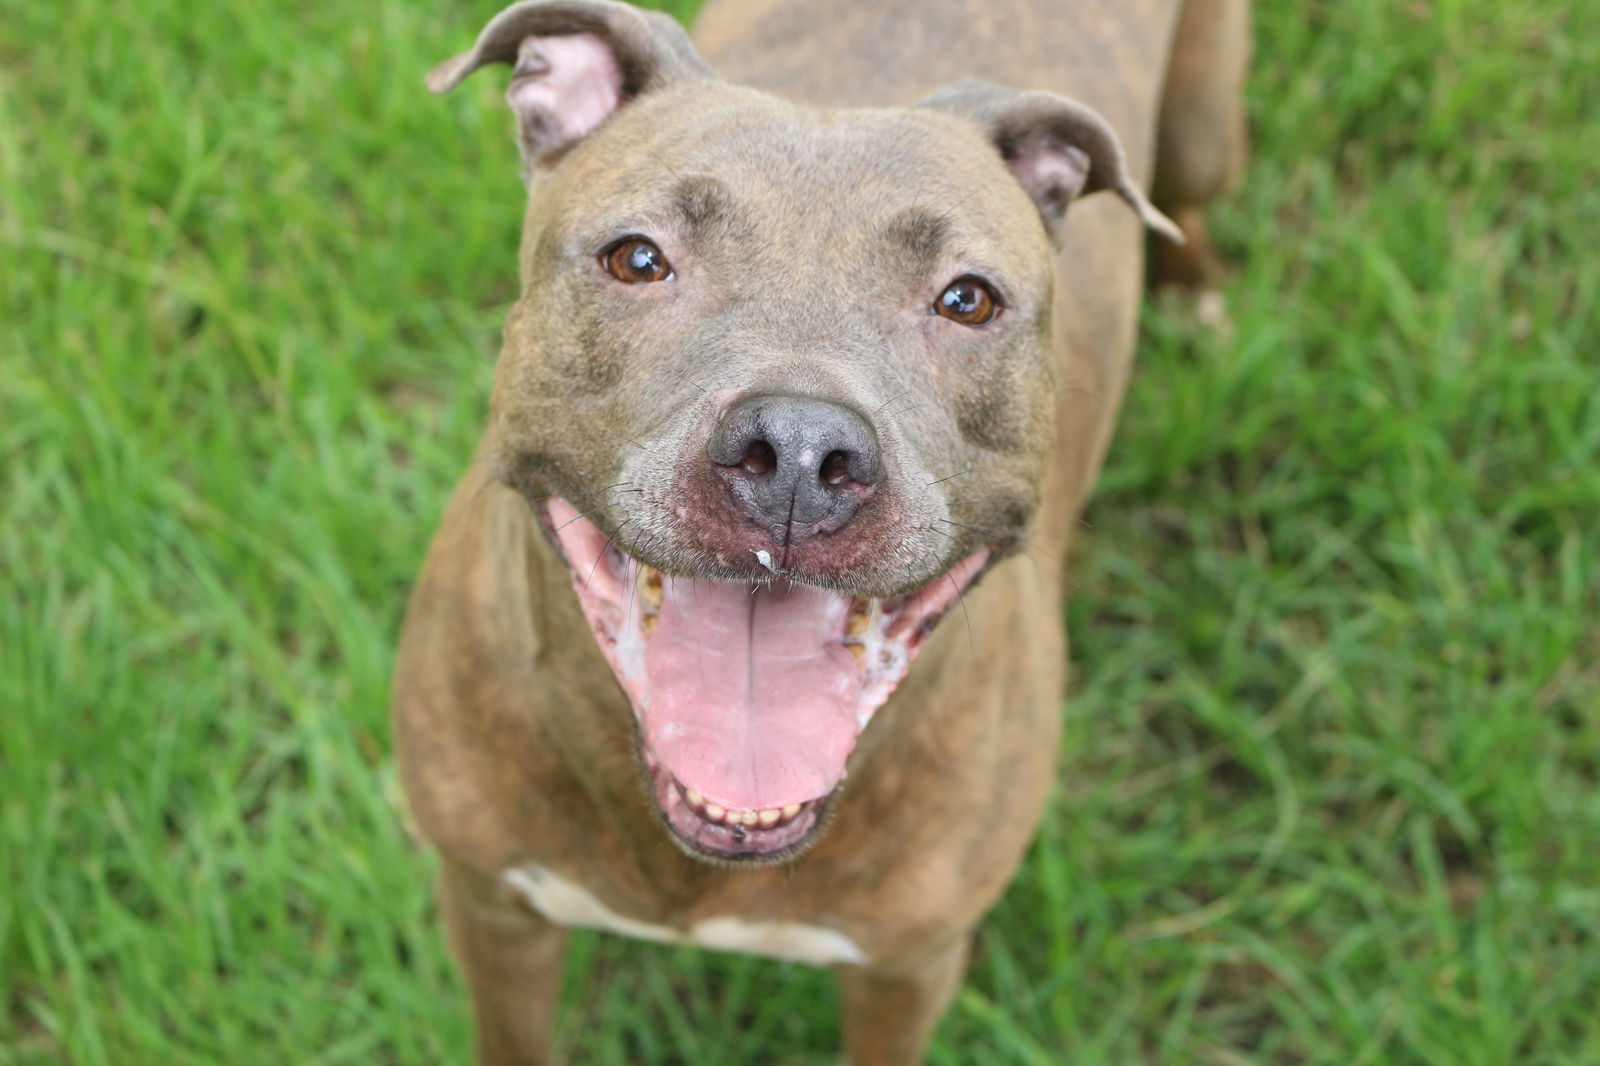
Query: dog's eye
{"x": 636, "y": 261}
{"x": 968, "y": 301}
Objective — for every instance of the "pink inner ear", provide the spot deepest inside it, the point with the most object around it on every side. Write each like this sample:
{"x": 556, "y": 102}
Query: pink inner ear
{"x": 1052, "y": 172}
{"x": 578, "y": 86}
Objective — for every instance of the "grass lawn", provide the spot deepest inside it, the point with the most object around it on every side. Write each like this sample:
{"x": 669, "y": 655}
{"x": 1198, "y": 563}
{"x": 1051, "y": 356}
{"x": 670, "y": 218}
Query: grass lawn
{"x": 1330, "y": 791}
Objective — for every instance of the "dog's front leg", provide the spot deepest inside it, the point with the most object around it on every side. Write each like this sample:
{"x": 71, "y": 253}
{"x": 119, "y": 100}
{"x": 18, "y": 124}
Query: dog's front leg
{"x": 512, "y": 959}
{"x": 889, "y": 1015}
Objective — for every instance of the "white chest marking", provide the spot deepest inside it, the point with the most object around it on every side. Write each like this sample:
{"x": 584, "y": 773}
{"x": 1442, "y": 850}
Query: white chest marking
{"x": 566, "y": 903}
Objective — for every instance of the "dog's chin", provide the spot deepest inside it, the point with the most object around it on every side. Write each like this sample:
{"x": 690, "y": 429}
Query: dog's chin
{"x": 749, "y": 696}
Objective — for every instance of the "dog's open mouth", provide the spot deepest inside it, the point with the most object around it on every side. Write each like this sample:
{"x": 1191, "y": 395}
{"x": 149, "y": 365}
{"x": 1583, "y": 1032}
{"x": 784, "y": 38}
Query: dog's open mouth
{"x": 749, "y": 695}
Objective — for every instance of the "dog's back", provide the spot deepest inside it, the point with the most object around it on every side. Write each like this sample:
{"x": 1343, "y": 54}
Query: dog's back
{"x": 1110, "y": 54}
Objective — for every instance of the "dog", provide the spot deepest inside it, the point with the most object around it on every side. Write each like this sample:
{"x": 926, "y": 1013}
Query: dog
{"x": 788, "y": 382}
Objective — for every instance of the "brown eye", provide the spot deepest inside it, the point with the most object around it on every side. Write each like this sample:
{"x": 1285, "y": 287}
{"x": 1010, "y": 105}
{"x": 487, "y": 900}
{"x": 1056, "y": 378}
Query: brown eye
{"x": 968, "y": 301}
{"x": 636, "y": 261}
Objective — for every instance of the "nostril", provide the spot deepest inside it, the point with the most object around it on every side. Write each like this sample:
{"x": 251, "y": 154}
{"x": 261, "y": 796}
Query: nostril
{"x": 835, "y": 468}
{"x": 795, "y": 463}
{"x": 760, "y": 459}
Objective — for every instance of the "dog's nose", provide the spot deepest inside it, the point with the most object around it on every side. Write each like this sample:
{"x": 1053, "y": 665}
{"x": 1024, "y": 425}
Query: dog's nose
{"x": 795, "y": 462}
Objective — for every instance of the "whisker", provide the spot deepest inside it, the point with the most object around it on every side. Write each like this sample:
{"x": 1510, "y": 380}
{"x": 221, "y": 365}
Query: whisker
{"x": 586, "y": 495}
{"x": 638, "y": 568}
{"x": 1035, "y": 551}
{"x": 952, "y": 477}
{"x": 961, "y": 599}
{"x": 603, "y": 549}
{"x": 890, "y": 400}
{"x": 977, "y": 529}
{"x": 586, "y": 514}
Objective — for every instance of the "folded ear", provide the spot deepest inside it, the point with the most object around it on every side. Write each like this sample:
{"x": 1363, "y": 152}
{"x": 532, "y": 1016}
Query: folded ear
{"x": 574, "y": 62}
{"x": 1058, "y": 148}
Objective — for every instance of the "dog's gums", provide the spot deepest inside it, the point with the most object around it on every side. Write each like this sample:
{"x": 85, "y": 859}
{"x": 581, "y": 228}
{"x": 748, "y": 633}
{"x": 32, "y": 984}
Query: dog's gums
{"x": 749, "y": 695}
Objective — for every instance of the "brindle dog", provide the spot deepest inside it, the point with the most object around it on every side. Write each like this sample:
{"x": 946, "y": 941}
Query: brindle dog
{"x": 787, "y": 383}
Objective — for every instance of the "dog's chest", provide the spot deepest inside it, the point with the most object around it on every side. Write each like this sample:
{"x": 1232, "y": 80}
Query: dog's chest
{"x": 565, "y": 902}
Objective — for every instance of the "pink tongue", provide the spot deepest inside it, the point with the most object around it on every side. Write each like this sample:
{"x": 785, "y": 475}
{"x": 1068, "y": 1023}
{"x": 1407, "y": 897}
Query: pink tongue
{"x": 754, "y": 699}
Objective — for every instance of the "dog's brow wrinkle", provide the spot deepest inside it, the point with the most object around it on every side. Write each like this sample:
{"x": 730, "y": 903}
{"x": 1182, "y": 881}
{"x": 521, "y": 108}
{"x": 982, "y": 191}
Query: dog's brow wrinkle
{"x": 921, "y": 232}
{"x": 702, "y": 201}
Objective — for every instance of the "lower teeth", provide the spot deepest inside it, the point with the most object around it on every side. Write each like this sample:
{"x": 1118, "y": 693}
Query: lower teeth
{"x": 740, "y": 820}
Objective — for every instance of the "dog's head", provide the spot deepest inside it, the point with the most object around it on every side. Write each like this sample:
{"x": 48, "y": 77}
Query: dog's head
{"x": 779, "y": 384}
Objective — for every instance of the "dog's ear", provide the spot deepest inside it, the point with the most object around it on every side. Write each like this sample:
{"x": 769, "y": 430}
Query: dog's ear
{"x": 574, "y": 62}
{"x": 1058, "y": 148}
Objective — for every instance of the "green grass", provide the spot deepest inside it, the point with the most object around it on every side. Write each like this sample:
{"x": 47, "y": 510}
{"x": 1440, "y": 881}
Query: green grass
{"x": 1331, "y": 786}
